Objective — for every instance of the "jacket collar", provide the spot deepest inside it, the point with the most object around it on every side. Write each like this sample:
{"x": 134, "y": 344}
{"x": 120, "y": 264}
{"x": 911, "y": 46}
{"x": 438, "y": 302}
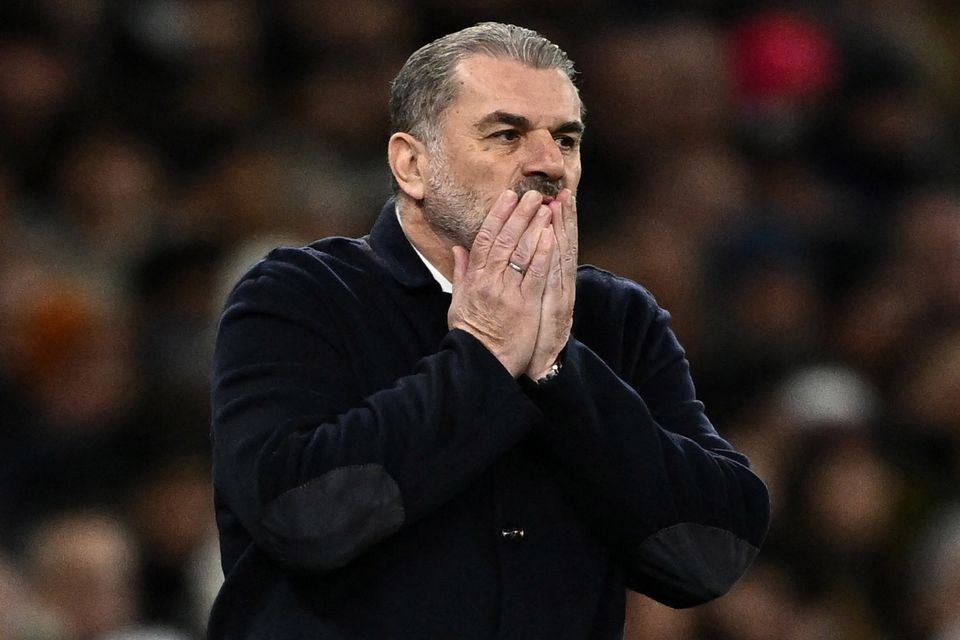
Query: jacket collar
{"x": 395, "y": 252}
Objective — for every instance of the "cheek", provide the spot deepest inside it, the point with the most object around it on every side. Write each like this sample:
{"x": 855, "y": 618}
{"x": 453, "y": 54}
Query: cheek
{"x": 473, "y": 167}
{"x": 491, "y": 179}
{"x": 485, "y": 171}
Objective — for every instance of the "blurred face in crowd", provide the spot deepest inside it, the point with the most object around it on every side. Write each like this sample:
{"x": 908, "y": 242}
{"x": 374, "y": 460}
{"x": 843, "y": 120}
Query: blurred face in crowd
{"x": 511, "y": 127}
{"x": 83, "y": 569}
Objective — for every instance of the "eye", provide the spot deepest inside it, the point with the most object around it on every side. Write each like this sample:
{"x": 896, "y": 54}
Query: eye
{"x": 567, "y": 143}
{"x": 507, "y": 135}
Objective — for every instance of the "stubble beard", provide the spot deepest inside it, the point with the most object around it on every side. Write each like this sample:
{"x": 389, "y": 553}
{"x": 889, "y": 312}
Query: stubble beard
{"x": 457, "y": 211}
{"x": 453, "y": 209}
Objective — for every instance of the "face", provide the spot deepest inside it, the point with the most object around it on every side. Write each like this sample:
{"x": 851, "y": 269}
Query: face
{"x": 511, "y": 127}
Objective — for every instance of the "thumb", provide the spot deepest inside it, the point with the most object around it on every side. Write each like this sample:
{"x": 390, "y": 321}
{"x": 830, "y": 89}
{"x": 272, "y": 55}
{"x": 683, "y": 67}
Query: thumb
{"x": 461, "y": 258}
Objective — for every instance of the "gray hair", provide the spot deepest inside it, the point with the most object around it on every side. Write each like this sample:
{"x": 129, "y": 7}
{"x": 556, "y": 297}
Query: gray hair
{"x": 425, "y": 86}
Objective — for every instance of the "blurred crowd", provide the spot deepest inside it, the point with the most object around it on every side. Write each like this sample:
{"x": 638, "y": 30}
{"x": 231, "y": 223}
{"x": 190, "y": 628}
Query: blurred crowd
{"x": 783, "y": 176}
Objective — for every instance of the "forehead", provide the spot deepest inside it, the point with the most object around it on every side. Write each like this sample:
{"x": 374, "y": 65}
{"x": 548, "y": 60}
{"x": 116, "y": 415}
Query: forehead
{"x": 487, "y": 84}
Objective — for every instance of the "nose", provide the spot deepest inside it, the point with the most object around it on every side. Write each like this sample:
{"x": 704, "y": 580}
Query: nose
{"x": 543, "y": 156}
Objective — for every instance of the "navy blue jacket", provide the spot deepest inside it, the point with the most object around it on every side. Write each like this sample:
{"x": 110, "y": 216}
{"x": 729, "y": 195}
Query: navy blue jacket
{"x": 380, "y": 476}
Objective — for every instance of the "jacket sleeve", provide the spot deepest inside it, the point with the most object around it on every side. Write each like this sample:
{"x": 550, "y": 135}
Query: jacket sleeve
{"x": 667, "y": 494}
{"x": 315, "y": 469}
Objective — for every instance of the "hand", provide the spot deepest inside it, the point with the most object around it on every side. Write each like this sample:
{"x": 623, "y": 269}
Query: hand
{"x": 556, "y": 313}
{"x": 499, "y": 305}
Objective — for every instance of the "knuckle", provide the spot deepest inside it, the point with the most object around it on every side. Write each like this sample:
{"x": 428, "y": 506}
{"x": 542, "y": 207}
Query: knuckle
{"x": 483, "y": 238}
{"x": 520, "y": 256}
{"x": 505, "y": 241}
{"x": 536, "y": 271}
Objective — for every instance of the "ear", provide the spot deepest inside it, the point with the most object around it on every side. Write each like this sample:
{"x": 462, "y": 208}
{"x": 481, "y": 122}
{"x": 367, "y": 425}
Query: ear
{"x": 408, "y": 161}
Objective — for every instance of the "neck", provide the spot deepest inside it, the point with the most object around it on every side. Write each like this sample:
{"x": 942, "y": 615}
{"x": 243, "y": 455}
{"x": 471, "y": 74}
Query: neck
{"x": 434, "y": 246}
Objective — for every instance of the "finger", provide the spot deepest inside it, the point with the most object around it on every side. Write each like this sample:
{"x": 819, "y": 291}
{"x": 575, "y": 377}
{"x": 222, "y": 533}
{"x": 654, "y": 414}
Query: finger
{"x": 555, "y": 276}
{"x": 556, "y": 210}
{"x": 569, "y": 202}
{"x": 569, "y": 214}
{"x": 567, "y": 199}
{"x": 568, "y": 217}
{"x": 460, "y": 260}
{"x": 535, "y": 278}
{"x": 506, "y": 241}
{"x": 527, "y": 245}
{"x": 491, "y": 227}
{"x": 553, "y": 289}
{"x": 556, "y": 206}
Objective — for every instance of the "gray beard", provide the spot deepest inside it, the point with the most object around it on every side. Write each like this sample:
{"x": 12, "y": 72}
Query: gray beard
{"x": 453, "y": 210}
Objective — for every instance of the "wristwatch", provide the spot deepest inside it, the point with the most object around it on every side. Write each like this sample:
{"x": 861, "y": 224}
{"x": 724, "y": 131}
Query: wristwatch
{"x": 551, "y": 373}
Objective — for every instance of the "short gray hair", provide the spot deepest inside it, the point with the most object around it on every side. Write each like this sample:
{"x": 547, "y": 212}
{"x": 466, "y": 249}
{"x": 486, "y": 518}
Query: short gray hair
{"x": 425, "y": 87}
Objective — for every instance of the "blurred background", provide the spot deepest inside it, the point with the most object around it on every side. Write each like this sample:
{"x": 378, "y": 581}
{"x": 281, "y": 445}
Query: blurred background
{"x": 782, "y": 175}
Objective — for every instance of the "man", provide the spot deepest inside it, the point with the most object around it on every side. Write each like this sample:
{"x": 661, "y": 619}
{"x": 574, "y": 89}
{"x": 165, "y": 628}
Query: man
{"x": 393, "y": 460}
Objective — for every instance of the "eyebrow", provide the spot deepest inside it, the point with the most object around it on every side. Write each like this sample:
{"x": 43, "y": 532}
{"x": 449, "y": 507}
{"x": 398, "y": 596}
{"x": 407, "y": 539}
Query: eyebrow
{"x": 522, "y": 122}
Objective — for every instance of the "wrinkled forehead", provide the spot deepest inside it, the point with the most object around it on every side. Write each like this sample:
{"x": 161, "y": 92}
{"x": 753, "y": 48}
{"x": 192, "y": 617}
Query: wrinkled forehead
{"x": 485, "y": 84}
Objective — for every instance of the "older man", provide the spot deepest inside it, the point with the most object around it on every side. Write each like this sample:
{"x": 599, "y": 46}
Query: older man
{"x": 447, "y": 429}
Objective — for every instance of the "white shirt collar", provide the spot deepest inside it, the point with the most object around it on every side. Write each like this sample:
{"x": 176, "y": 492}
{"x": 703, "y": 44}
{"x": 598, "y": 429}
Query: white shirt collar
{"x": 445, "y": 285}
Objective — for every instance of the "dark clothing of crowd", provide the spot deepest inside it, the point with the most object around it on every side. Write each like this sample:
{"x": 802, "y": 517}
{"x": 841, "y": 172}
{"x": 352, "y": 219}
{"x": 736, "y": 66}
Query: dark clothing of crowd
{"x": 783, "y": 177}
